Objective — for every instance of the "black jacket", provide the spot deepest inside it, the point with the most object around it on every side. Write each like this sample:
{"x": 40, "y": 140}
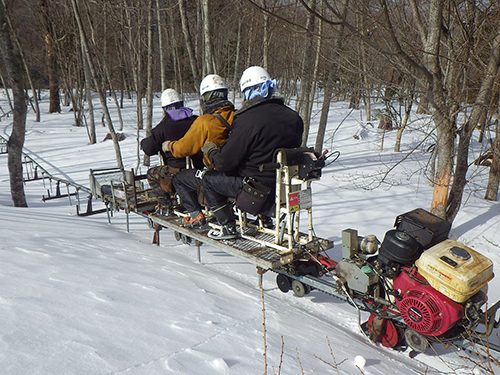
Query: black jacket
{"x": 168, "y": 130}
{"x": 260, "y": 127}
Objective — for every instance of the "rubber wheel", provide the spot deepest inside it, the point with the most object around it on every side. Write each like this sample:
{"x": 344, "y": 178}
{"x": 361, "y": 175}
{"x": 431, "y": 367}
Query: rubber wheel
{"x": 283, "y": 282}
{"x": 299, "y": 289}
{"x": 416, "y": 341}
{"x": 177, "y": 236}
{"x": 185, "y": 239}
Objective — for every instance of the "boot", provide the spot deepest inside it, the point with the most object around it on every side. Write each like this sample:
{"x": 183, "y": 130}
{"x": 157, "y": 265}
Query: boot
{"x": 225, "y": 217}
{"x": 267, "y": 221}
{"x": 226, "y": 232}
{"x": 197, "y": 222}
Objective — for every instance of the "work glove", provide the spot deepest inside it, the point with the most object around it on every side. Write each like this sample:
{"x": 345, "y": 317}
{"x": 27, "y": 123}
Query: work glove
{"x": 165, "y": 146}
{"x": 209, "y": 147}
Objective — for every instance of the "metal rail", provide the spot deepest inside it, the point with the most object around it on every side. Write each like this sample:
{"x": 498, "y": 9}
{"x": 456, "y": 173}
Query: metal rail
{"x": 33, "y": 171}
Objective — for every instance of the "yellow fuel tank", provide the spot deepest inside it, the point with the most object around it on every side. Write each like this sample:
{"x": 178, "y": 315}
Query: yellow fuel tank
{"x": 455, "y": 270}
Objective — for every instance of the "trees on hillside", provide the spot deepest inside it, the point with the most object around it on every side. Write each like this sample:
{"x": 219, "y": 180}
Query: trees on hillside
{"x": 440, "y": 55}
{"x": 451, "y": 49}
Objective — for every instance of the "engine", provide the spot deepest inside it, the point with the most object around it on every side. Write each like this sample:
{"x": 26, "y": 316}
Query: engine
{"x": 423, "y": 308}
{"x": 432, "y": 283}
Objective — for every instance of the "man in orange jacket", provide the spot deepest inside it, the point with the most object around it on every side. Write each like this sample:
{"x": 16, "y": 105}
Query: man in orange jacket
{"x": 212, "y": 127}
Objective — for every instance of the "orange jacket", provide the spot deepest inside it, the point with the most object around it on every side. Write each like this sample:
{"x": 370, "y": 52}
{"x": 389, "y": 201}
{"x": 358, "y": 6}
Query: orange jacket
{"x": 204, "y": 129}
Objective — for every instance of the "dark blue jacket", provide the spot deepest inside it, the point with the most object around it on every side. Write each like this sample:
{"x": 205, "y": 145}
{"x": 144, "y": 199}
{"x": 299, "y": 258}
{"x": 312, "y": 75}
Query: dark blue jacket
{"x": 168, "y": 130}
{"x": 260, "y": 127}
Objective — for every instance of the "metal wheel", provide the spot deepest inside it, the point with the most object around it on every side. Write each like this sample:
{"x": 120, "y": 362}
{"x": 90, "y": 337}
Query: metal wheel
{"x": 416, "y": 341}
{"x": 299, "y": 289}
{"x": 185, "y": 239}
{"x": 177, "y": 236}
{"x": 283, "y": 282}
{"x": 151, "y": 223}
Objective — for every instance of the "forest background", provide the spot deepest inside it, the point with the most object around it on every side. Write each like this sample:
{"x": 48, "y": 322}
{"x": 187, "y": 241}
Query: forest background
{"x": 441, "y": 56}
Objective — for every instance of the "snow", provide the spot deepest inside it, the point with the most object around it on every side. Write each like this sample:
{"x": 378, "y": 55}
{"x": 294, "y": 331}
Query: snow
{"x": 79, "y": 295}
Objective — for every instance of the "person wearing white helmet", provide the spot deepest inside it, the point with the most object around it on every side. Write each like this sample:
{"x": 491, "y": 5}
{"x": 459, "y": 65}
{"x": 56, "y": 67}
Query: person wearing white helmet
{"x": 256, "y": 82}
{"x": 213, "y": 126}
{"x": 176, "y": 121}
{"x": 262, "y": 125}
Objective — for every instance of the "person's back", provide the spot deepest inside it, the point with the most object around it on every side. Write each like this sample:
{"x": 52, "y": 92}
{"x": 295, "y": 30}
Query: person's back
{"x": 260, "y": 127}
{"x": 169, "y": 130}
{"x": 176, "y": 122}
{"x": 174, "y": 125}
{"x": 206, "y": 128}
{"x": 263, "y": 125}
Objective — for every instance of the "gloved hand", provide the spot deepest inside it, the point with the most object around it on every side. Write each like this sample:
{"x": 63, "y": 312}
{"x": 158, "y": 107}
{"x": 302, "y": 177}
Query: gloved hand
{"x": 165, "y": 146}
{"x": 209, "y": 147}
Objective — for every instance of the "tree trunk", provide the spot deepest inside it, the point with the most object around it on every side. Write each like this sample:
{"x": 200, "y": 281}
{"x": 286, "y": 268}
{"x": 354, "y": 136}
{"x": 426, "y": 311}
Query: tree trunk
{"x": 55, "y": 99}
{"x": 189, "y": 44}
{"x": 207, "y": 51}
{"x": 52, "y": 67}
{"x": 88, "y": 93}
{"x": 15, "y": 78}
{"x": 237, "y": 62}
{"x": 149, "y": 91}
{"x": 478, "y": 112}
{"x": 178, "y": 81}
{"x": 399, "y": 134}
{"x": 265, "y": 38}
{"x": 494, "y": 175}
{"x": 22, "y": 58}
{"x": 323, "y": 120}
{"x": 102, "y": 97}
{"x": 306, "y": 84}
{"x": 445, "y": 129}
{"x": 7, "y": 94}
{"x": 161, "y": 47}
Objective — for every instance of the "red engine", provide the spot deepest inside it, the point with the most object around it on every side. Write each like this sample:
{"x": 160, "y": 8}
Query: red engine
{"x": 423, "y": 308}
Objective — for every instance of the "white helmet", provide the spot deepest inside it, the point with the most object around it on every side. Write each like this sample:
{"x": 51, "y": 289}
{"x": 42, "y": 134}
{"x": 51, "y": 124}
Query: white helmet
{"x": 212, "y": 82}
{"x": 253, "y": 76}
{"x": 170, "y": 96}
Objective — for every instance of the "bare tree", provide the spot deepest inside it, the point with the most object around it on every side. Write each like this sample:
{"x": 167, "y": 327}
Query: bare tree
{"x": 161, "y": 46}
{"x": 494, "y": 175}
{"x": 102, "y": 98}
{"x": 15, "y": 78}
{"x": 149, "y": 91}
{"x": 189, "y": 43}
{"x": 208, "y": 57}
{"x": 52, "y": 66}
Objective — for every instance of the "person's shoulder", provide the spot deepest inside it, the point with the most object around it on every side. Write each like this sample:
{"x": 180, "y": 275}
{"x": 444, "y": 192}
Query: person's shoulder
{"x": 226, "y": 108}
{"x": 165, "y": 121}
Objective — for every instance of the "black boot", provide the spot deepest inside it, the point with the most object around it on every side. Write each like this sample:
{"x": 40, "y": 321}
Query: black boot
{"x": 225, "y": 217}
{"x": 267, "y": 221}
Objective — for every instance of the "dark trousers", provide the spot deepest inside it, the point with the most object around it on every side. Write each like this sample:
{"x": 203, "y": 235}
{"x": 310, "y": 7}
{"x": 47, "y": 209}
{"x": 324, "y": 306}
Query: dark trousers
{"x": 218, "y": 186}
{"x": 187, "y": 185}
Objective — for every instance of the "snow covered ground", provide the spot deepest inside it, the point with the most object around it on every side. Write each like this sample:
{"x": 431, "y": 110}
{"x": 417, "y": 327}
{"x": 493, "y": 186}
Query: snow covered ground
{"x": 81, "y": 296}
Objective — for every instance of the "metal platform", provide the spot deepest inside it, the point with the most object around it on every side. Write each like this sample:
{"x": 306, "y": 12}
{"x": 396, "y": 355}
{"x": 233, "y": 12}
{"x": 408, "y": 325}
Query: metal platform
{"x": 254, "y": 246}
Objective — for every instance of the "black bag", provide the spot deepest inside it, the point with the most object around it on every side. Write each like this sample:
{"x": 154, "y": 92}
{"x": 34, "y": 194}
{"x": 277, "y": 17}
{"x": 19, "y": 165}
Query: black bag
{"x": 253, "y": 197}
